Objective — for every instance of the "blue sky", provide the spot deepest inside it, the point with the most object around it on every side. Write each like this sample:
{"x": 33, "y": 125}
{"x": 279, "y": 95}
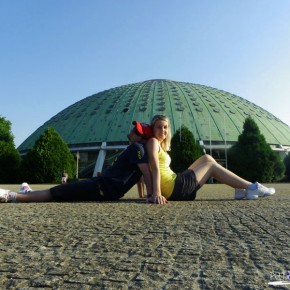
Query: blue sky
{"x": 56, "y": 52}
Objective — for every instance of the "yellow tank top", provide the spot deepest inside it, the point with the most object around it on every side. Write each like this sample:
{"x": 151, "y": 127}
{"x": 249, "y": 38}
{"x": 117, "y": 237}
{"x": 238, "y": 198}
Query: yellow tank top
{"x": 167, "y": 176}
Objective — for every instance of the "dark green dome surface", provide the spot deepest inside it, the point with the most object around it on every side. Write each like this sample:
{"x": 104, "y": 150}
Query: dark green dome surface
{"x": 211, "y": 114}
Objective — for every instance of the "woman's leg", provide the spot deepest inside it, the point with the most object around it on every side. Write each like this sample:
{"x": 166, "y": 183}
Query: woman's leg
{"x": 206, "y": 167}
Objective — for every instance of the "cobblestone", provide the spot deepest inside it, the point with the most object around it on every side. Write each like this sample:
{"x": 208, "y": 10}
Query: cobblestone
{"x": 214, "y": 242}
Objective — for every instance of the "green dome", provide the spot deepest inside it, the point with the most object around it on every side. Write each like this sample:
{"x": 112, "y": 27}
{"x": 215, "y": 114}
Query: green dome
{"x": 212, "y": 115}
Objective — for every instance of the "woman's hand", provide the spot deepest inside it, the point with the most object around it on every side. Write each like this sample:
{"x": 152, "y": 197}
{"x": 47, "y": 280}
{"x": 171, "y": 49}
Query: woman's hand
{"x": 159, "y": 199}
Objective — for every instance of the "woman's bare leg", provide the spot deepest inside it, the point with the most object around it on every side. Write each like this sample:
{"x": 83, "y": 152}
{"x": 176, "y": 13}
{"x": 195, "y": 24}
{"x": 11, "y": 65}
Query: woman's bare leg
{"x": 206, "y": 167}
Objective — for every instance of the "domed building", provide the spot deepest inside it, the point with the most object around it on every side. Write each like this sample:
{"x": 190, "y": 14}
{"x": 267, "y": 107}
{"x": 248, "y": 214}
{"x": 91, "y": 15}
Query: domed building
{"x": 99, "y": 124}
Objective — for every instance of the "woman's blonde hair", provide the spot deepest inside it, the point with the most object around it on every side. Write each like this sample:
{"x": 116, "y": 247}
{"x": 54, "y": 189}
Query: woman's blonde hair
{"x": 165, "y": 144}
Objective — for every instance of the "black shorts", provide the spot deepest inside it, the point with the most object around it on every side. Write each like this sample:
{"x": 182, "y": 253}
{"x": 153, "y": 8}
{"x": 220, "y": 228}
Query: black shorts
{"x": 85, "y": 190}
{"x": 185, "y": 187}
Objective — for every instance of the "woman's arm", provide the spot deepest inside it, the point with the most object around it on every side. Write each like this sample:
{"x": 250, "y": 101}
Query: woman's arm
{"x": 153, "y": 148}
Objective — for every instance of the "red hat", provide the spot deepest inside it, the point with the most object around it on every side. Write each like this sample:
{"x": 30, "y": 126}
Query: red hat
{"x": 143, "y": 129}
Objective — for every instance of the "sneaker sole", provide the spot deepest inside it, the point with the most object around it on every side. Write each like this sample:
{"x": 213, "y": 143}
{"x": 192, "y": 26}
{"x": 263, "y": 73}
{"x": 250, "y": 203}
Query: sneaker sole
{"x": 252, "y": 197}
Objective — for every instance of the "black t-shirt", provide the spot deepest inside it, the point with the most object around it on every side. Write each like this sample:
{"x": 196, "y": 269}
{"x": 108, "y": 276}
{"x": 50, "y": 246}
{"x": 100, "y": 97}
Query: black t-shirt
{"x": 124, "y": 173}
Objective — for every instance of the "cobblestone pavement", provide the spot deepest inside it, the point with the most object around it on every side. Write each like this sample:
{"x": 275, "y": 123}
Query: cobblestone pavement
{"x": 214, "y": 242}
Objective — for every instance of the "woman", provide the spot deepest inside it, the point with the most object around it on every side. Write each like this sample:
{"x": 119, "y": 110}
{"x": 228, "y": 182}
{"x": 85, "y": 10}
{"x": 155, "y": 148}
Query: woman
{"x": 167, "y": 185}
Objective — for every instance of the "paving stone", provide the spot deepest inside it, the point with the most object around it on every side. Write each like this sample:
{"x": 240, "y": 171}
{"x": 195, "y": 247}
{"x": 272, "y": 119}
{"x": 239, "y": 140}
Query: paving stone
{"x": 214, "y": 242}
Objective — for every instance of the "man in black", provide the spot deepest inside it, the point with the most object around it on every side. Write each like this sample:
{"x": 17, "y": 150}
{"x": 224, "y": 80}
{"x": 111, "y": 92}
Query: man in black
{"x": 111, "y": 185}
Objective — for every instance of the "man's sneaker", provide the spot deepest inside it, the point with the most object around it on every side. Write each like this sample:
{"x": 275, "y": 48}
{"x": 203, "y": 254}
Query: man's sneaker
{"x": 24, "y": 188}
{"x": 261, "y": 190}
{"x": 4, "y": 195}
{"x": 241, "y": 193}
{"x": 7, "y": 195}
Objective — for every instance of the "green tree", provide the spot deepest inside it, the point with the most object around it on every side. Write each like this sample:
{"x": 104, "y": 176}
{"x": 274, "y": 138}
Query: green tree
{"x": 252, "y": 158}
{"x": 9, "y": 155}
{"x": 48, "y": 158}
{"x": 184, "y": 149}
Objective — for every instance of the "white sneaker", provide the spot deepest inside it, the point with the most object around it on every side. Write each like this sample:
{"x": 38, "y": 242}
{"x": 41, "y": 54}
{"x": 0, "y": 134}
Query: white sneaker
{"x": 261, "y": 190}
{"x": 241, "y": 193}
{"x": 251, "y": 195}
{"x": 24, "y": 188}
{"x": 7, "y": 195}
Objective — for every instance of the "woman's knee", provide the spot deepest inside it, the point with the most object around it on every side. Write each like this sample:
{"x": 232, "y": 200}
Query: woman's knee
{"x": 208, "y": 158}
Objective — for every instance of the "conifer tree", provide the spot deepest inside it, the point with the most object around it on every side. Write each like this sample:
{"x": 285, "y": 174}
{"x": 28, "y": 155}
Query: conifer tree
{"x": 48, "y": 158}
{"x": 184, "y": 150}
{"x": 252, "y": 158}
